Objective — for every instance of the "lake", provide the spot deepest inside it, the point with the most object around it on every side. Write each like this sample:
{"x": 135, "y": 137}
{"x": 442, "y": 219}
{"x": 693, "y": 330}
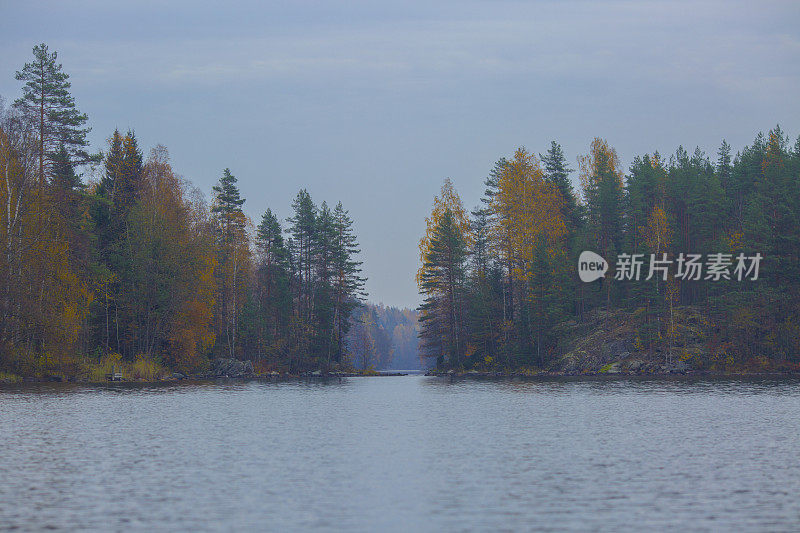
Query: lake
{"x": 408, "y": 453}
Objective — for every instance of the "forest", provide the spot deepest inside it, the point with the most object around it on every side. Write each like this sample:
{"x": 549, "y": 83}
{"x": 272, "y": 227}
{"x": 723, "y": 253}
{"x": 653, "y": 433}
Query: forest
{"x": 501, "y": 287}
{"x": 136, "y": 271}
{"x": 384, "y": 337}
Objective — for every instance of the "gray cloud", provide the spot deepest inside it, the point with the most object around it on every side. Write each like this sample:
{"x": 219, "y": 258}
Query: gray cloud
{"x": 374, "y": 103}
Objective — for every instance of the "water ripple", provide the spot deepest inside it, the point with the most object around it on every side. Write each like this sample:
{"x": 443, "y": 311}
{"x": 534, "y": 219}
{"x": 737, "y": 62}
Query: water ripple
{"x": 400, "y": 453}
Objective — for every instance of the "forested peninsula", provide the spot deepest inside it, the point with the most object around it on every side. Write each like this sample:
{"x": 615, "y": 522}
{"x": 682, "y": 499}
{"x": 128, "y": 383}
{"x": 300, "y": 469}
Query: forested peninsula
{"x": 136, "y": 274}
{"x": 703, "y": 264}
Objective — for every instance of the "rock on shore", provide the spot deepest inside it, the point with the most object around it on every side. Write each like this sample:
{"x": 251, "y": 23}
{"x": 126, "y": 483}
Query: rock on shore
{"x": 231, "y": 368}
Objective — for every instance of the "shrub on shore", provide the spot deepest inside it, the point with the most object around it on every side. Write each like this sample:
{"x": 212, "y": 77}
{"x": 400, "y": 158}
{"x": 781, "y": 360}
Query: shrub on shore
{"x": 142, "y": 368}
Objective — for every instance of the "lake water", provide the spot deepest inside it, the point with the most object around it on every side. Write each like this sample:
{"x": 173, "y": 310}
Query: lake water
{"x": 403, "y": 454}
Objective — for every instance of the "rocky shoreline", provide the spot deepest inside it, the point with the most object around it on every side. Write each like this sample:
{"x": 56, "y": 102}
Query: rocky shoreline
{"x": 234, "y": 369}
{"x": 619, "y": 373}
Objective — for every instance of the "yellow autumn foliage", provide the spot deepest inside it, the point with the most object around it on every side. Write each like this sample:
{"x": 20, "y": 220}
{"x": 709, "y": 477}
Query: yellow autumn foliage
{"x": 589, "y": 165}
{"x": 657, "y": 234}
{"x": 527, "y": 211}
{"x": 447, "y": 199}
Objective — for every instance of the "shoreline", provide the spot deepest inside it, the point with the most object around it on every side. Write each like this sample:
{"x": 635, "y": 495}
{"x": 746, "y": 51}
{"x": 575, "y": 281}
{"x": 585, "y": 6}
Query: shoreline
{"x": 619, "y": 374}
{"x": 202, "y": 378}
{"x": 521, "y": 376}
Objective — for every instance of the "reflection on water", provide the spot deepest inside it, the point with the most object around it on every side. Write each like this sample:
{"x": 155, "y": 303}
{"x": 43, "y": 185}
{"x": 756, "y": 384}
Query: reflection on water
{"x": 399, "y": 453}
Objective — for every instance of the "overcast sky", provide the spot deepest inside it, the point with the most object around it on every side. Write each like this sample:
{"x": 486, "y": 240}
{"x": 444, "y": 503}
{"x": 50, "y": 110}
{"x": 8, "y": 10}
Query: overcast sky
{"x": 375, "y": 103}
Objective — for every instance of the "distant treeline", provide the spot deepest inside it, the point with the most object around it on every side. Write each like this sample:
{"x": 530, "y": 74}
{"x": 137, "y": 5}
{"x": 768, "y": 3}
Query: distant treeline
{"x": 137, "y": 266}
{"x": 385, "y": 338}
{"x": 500, "y": 283}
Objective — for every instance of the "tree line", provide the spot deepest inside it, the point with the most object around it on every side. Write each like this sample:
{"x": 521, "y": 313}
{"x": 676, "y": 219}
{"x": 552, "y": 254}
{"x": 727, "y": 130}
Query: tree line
{"x": 384, "y": 337}
{"x": 500, "y": 283}
{"x": 137, "y": 265}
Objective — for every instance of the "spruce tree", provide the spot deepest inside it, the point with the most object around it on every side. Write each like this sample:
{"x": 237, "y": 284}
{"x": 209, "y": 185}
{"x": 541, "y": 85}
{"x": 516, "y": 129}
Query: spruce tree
{"x": 443, "y": 284}
{"x": 129, "y": 183}
{"x": 492, "y": 180}
{"x": 484, "y": 314}
{"x": 348, "y": 284}
{"x": 723, "y": 167}
{"x": 269, "y": 240}
{"x": 64, "y": 176}
{"x": 113, "y": 167}
{"x": 603, "y": 189}
{"x": 556, "y": 171}
{"x": 273, "y": 302}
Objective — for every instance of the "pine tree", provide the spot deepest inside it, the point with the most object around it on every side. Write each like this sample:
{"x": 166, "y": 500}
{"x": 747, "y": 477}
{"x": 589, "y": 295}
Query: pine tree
{"x": 228, "y": 206}
{"x": 303, "y": 227}
{"x": 723, "y": 167}
{"x": 47, "y": 102}
{"x": 644, "y": 189}
{"x": 324, "y": 306}
{"x": 771, "y": 224}
{"x": 233, "y": 255}
{"x": 744, "y": 174}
